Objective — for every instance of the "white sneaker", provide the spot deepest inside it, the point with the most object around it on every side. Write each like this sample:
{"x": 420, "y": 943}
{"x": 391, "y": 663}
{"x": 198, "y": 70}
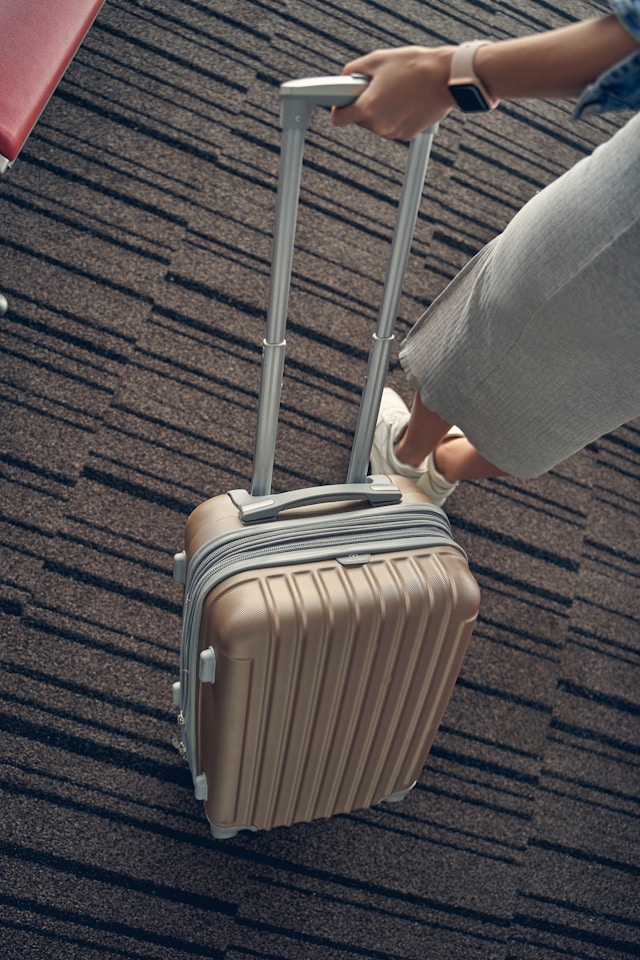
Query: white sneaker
{"x": 393, "y": 418}
{"x": 432, "y": 483}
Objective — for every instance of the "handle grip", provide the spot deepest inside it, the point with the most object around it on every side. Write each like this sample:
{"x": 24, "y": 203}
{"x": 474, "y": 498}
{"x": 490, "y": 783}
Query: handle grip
{"x": 299, "y": 97}
{"x": 376, "y": 490}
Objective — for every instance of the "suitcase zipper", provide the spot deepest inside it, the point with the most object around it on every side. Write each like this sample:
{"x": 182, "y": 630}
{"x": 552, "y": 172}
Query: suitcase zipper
{"x": 277, "y": 536}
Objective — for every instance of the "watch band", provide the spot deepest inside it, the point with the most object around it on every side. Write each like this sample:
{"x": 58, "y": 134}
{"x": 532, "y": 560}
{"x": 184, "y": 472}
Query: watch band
{"x": 463, "y": 72}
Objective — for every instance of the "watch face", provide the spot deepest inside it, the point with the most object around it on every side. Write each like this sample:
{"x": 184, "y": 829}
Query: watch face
{"x": 469, "y": 98}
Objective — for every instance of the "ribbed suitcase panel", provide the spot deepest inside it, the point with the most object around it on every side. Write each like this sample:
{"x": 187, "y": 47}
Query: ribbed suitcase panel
{"x": 330, "y": 685}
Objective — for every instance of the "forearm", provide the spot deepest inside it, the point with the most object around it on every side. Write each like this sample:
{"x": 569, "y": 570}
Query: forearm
{"x": 558, "y": 63}
{"x": 409, "y": 86}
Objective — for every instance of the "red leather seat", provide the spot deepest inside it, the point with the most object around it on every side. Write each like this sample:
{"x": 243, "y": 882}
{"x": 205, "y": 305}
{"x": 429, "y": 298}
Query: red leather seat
{"x": 38, "y": 39}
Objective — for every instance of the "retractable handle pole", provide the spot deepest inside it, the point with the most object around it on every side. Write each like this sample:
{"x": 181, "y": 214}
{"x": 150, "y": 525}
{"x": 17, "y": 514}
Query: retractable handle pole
{"x": 298, "y": 98}
{"x": 409, "y": 205}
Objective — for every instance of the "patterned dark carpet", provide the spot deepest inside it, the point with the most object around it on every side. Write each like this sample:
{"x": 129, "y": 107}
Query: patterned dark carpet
{"x": 136, "y": 235}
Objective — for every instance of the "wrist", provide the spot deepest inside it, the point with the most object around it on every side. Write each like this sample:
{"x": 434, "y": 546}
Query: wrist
{"x": 440, "y": 64}
{"x": 484, "y": 54}
{"x": 468, "y": 89}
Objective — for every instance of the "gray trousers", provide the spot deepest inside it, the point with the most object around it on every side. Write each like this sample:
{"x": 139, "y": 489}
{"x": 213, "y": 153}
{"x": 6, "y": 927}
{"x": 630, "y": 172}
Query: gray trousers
{"x": 534, "y": 348}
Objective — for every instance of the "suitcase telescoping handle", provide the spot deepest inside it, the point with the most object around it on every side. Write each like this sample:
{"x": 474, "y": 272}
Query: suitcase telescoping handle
{"x": 298, "y": 97}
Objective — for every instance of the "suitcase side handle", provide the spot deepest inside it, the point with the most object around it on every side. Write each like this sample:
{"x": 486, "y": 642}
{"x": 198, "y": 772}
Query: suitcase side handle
{"x": 376, "y": 490}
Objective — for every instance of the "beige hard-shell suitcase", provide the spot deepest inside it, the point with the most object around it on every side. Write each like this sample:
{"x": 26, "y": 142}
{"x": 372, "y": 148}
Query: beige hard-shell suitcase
{"x": 323, "y": 629}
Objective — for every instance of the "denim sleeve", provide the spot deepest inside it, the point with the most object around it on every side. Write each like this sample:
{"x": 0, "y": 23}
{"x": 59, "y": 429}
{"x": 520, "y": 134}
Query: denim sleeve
{"x": 628, "y": 13}
{"x": 618, "y": 88}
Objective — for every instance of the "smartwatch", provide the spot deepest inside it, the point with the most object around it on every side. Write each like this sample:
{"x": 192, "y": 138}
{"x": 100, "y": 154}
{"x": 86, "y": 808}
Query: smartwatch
{"x": 466, "y": 88}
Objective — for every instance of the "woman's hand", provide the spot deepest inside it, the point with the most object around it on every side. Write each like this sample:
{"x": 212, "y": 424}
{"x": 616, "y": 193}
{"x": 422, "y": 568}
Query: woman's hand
{"x": 408, "y": 91}
{"x": 409, "y": 86}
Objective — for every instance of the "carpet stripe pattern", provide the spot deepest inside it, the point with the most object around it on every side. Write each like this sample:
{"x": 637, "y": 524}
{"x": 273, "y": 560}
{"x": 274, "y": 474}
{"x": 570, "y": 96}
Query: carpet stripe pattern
{"x": 135, "y": 255}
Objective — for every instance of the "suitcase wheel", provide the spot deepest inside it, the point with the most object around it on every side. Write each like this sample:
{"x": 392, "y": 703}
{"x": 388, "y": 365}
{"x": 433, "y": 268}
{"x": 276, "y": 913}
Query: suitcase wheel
{"x": 398, "y": 795}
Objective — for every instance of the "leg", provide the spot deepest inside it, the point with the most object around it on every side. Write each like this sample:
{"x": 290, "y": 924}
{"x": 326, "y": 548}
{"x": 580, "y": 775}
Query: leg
{"x": 456, "y": 459}
{"x": 534, "y": 348}
{"x": 422, "y": 434}
{"x": 423, "y": 446}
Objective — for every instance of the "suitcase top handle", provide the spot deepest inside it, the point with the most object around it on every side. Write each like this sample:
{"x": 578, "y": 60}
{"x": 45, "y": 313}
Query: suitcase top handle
{"x": 376, "y": 490}
{"x": 299, "y": 97}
